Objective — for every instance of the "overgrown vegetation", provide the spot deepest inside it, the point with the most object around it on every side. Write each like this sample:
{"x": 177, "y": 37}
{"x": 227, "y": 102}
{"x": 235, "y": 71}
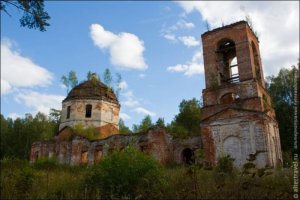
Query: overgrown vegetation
{"x": 90, "y": 133}
{"x": 126, "y": 174}
{"x": 133, "y": 175}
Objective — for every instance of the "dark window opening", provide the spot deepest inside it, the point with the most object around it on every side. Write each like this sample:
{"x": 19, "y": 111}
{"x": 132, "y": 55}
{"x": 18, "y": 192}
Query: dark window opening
{"x": 188, "y": 156}
{"x": 227, "y": 62}
{"x": 68, "y": 112}
{"x": 88, "y": 111}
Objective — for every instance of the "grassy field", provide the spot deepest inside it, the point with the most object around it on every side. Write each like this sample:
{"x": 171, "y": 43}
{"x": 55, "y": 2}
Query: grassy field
{"x": 48, "y": 180}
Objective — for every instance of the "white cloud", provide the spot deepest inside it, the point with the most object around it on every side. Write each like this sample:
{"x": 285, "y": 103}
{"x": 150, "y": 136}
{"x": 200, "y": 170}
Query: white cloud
{"x": 128, "y": 94}
{"x": 19, "y": 71}
{"x": 124, "y": 116}
{"x": 193, "y": 67}
{"x": 5, "y": 87}
{"x": 277, "y": 23}
{"x": 142, "y": 76}
{"x": 169, "y": 32}
{"x": 144, "y": 111}
{"x": 189, "y": 69}
{"x": 189, "y": 41}
{"x": 126, "y": 49}
{"x": 130, "y": 102}
{"x": 14, "y": 116}
{"x": 123, "y": 85}
{"x": 185, "y": 25}
{"x": 39, "y": 102}
{"x": 170, "y": 37}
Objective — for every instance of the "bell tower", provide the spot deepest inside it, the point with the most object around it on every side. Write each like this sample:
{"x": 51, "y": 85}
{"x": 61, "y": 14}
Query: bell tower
{"x": 237, "y": 118}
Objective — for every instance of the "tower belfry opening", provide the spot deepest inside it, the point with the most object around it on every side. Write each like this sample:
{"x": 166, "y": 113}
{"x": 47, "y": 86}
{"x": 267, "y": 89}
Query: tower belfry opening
{"x": 227, "y": 62}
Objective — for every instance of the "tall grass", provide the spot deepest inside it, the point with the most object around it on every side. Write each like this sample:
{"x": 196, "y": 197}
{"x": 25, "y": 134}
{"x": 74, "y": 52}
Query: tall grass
{"x": 20, "y": 180}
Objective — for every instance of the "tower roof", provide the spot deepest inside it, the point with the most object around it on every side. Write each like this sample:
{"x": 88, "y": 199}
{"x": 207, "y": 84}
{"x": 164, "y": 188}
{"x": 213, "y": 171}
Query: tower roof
{"x": 92, "y": 89}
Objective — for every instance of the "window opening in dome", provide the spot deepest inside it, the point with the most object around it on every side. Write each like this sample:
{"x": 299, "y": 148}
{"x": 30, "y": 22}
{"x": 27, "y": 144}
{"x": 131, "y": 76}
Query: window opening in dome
{"x": 88, "y": 111}
{"x": 68, "y": 112}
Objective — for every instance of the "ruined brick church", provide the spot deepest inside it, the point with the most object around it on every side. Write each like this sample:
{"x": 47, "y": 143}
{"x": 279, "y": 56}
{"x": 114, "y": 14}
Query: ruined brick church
{"x": 236, "y": 118}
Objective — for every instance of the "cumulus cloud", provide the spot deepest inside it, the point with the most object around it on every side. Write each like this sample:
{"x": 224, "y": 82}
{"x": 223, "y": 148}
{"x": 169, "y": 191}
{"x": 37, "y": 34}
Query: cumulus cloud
{"x": 5, "y": 87}
{"x": 192, "y": 67}
{"x": 189, "y": 41}
{"x": 124, "y": 116}
{"x": 170, "y": 37}
{"x": 141, "y": 110}
{"x": 130, "y": 100}
{"x": 39, "y": 102}
{"x": 169, "y": 32}
{"x": 126, "y": 49}
{"x": 184, "y": 24}
{"x": 19, "y": 71}
{"x": 276, "y": 22}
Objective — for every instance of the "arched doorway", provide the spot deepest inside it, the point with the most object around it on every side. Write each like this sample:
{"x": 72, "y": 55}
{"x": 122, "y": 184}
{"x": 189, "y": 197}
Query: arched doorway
{"x": 188, "y": 156}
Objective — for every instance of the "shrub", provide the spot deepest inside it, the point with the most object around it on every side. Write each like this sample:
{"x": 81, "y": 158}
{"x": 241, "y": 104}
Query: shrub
{"x": 90, "y": 133}
{"x": 45, "y": 163}
{"x": 225, "y": 164}
{"x": 123, "y": 174}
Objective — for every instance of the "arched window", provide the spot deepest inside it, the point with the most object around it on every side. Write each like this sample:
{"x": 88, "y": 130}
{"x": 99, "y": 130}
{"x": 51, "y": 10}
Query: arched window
{"x": 68, "y": 112}
{"x": 227, "y": 62}
{"x": 88, "y": 111}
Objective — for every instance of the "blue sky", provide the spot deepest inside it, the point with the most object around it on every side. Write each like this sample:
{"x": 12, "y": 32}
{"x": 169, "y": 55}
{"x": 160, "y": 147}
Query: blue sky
{"x": 155, "y": 46}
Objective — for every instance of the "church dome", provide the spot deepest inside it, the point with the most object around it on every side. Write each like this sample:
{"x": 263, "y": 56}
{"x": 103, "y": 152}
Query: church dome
{"x": 92, "y": 89}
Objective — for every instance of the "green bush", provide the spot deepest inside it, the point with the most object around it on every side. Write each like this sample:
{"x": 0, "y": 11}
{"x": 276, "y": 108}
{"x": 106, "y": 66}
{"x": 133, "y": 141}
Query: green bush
{"x": 225, "y": 164}
{"x": 126, "y": 174}
{"x": 46, "y": 163}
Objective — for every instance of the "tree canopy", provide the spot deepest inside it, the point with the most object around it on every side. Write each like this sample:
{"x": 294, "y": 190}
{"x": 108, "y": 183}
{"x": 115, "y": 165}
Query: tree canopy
{"x": 18, "y": 135}
{"x": 34, "y": 16}
{"x": 187, "y": 121}
{"x": 281, "y": 89}
{"x": 70, "y": 81}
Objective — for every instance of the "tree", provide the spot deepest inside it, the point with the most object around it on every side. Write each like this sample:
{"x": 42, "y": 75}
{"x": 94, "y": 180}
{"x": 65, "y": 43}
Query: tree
{"x": 187, "y": 121}
{"x": 89, "y": 75}
{"x": 146, "y": 123}
{"x": 123, "y": 129}
{"x": 18, "y": 135}
{"x": 71, "y": 81}
{"x": 55, "y": 116}
{"x": 107, "y": 78}
{"x": 281, "y": 89}
{"x": 160, "y": 123}
{"x": 118, "y": 86}
{"x": 34, "y": 15}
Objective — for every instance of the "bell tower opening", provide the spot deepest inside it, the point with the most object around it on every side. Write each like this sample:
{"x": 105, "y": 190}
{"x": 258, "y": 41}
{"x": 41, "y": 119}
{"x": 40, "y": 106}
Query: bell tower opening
{"x": 227, "y": 62}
